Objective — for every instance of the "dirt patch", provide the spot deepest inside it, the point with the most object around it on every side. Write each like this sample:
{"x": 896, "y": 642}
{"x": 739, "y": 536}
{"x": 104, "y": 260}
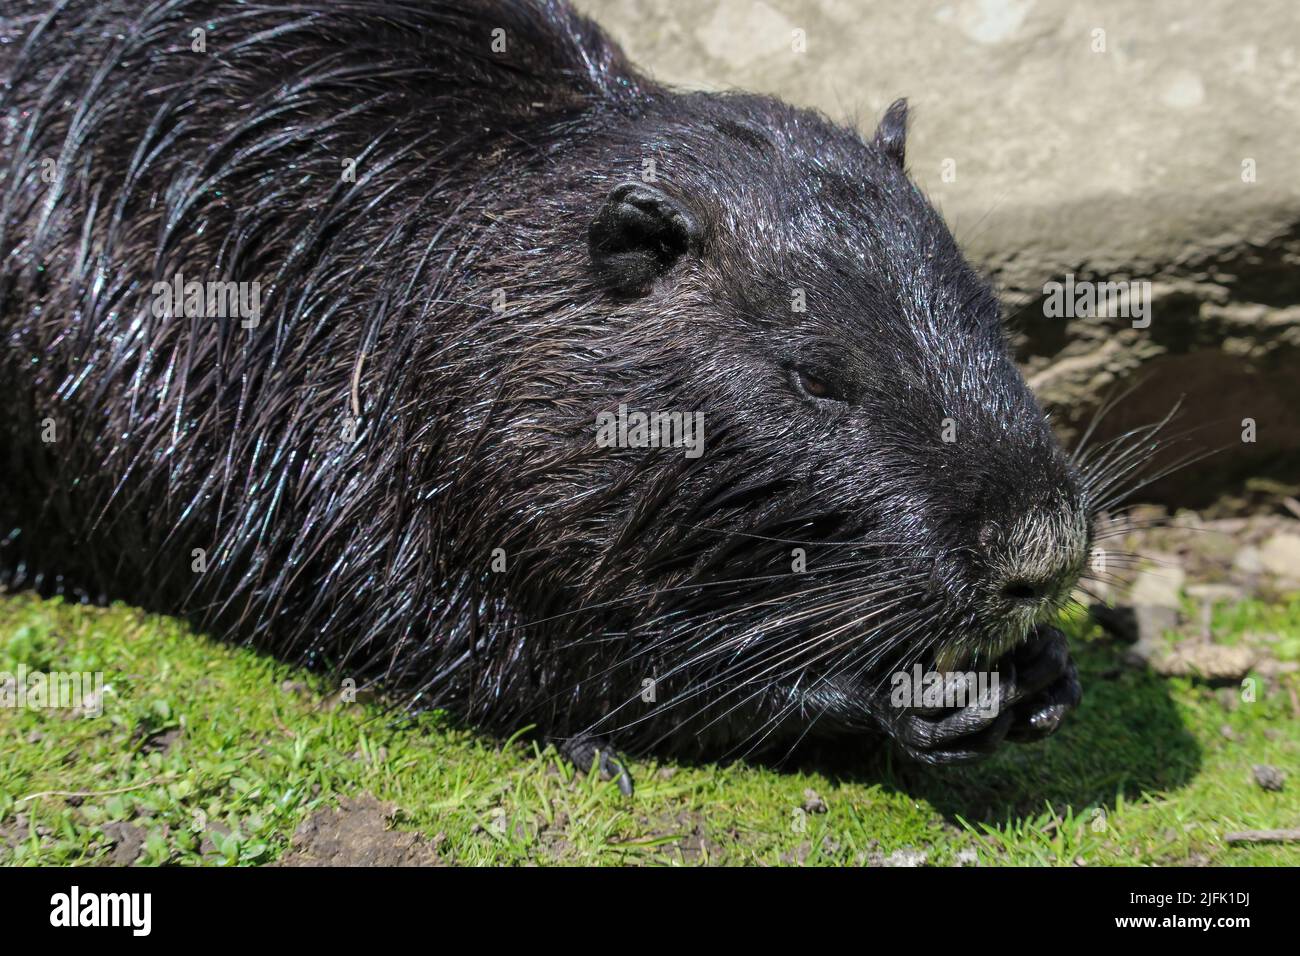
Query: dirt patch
{"x": 126, "y": 840}
{"x": 161, "y": 742}
{"x": 357, "y": 834}
{"x": 693, "y": 844}
{"x": 13, "y": 833}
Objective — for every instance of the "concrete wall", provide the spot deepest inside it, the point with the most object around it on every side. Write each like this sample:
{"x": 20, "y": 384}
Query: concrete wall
{"x": 1109, "y": 139}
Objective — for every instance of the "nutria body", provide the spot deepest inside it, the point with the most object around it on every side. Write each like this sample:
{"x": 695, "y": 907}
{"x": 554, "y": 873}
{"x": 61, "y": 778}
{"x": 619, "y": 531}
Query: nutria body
{"x": 458, "y": 234}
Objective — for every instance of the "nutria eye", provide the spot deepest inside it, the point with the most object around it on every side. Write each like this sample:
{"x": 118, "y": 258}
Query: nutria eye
{"x": 814, "y": 387}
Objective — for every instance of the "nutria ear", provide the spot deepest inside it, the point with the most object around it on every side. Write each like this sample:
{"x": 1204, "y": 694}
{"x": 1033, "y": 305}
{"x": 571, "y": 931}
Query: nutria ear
{"x": 891, "y": 134}
{"x": 638, "y": 235}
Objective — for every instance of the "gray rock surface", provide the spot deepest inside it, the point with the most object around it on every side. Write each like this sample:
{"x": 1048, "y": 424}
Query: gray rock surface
{"x": 1280, "y": 555}
{"x": 1109, "y": 156}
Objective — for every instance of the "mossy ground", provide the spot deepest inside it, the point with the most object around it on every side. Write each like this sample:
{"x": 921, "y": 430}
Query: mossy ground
{"x": 213, "y": 754}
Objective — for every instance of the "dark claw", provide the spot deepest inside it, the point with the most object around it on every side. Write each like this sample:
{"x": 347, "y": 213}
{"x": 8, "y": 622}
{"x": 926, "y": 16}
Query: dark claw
{"x": 586, "y": 752}
{"x": 1037, "y": 686}
{"x": 1039, "y": 716}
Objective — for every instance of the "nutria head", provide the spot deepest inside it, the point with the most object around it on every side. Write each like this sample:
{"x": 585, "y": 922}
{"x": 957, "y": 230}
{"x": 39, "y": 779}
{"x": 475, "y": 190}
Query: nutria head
{"x": 877, "y": 485}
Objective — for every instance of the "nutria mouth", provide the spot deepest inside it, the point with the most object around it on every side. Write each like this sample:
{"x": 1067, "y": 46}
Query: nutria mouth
{"x": 461, "y": 260}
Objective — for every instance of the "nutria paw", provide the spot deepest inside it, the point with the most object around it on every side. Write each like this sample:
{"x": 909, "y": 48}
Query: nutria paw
{"x": 1037, "y": 686}
{"x": 1044, "y": 662}
{"x": 588, "y": 752}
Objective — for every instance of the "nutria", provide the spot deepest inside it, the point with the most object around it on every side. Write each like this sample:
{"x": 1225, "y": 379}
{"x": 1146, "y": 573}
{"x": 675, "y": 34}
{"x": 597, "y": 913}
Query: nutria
{"x": 312, "y": 313}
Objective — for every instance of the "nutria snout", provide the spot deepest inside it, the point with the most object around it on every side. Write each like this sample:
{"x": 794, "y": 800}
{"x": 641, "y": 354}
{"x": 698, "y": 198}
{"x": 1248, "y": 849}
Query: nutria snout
{"x": 504, "y": 283}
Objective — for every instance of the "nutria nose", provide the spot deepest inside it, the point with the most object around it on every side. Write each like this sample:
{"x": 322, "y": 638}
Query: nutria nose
{"x": 1032, "y": 564}
{"x": 1023, "y": 590}
{"x": 1030, "y": 589}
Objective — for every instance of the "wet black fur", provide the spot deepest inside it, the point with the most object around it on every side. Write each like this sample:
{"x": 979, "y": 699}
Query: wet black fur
{"x": 478, "y": 171}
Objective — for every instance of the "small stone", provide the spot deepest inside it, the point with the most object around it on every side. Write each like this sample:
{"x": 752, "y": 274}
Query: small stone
{"x": 1268, "y": 777}
{"x": 1215, "y": 592}
{"x": 1150, "y": 625}
{"x": 1144, "y": 625}
{"x": 1273, "y": 668}
{"x": 1160, "y": 586}
{"x": 1153, "y": 622}
{"x": 1227, "y": 733}
{"x": 1210, "y": 662}
{"x": 968, "y": 858}
{"x": 1248, "y": 561}
{"x": 1227, "y": 526}
{"x": 1280, "y": 556}
{"x": 812, "y": 802}
{"x": 907, "y": 857}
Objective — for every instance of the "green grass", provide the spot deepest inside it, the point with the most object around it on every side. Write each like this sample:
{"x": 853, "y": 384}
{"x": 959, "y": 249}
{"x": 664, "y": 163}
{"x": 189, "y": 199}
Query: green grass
{"x": 217, "y": 755}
